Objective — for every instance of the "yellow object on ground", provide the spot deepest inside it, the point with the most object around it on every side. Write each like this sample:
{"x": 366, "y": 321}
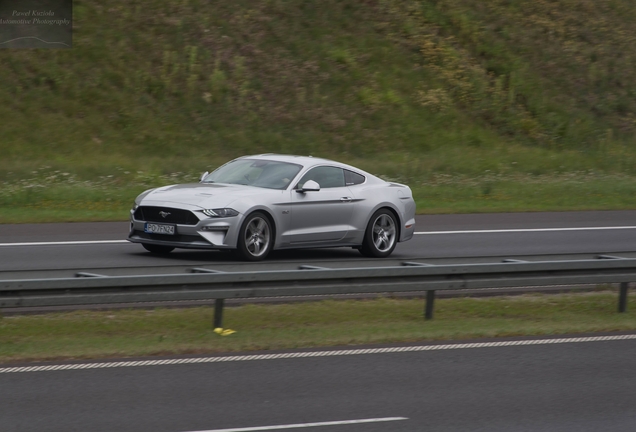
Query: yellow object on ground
{"x": 223, "y": 332}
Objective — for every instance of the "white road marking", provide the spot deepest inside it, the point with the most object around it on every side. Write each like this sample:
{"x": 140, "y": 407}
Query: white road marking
{"x": 306, "y": 425}
{"x": 526, "y": 230}
{"x": 520, "y": 230}
{"x": 58, "y": 243}
{"x": 334, "y": 353}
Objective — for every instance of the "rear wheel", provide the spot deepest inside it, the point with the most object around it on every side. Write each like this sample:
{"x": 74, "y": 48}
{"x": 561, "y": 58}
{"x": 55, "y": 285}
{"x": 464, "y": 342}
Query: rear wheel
{"x": 157, "y": 249}
{"x": 256, "y": 237}
{"x": 381, "y": 235}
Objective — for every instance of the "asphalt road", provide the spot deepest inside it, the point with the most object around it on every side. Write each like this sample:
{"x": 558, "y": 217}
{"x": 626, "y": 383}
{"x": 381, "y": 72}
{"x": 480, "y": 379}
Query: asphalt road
{"x": 48, "y": 250}
{"x": 585, "y": 386}
{"x": 578, "y": 387}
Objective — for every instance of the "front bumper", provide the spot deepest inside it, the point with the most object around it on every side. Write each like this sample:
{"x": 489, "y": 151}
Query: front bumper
{"x": 208, "y": 233}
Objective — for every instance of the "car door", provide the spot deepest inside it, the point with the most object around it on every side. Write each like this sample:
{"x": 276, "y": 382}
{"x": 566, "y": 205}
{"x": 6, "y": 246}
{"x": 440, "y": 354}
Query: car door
{"x": 323, "y": 215}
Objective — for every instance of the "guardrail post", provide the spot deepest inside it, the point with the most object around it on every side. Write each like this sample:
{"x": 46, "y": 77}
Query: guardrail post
{"x": 622, "y": 297}
{"x": 218, "y": 313}
{"x": 430, "y": 303}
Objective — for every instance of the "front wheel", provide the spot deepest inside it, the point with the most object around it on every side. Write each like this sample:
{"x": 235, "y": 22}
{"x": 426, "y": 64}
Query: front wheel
{"x": 157, "y": 249}
{"x": 256, "y": 237}
{"x": 380, "y": 238}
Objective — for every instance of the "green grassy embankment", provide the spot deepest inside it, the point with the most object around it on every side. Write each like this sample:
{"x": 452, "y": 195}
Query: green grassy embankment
{"x": 83, "y": 334}
{"x": 479, "y": 106}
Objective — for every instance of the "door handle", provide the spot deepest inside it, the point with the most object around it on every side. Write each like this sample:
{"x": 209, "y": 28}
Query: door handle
{"x": 345, "y": 199}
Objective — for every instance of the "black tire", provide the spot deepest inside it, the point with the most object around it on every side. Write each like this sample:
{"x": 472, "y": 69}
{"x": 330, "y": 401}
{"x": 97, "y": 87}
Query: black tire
{"x": 381, "y": 235}
{"x": 157, "y": 249}
{"x": 256, "y": 237}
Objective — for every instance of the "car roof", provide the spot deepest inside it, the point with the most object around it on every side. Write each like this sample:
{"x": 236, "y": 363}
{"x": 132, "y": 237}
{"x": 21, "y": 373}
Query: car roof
{"x": 306, "y": 161}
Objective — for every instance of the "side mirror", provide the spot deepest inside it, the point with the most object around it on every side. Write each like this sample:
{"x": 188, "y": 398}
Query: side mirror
{"x": 204, "y": 175}
{"x": 309, "y": 186}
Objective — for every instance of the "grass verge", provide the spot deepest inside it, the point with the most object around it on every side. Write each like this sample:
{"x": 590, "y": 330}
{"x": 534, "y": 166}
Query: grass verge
{"x": 86, "y": 335}
{"x": 111, "y": 201}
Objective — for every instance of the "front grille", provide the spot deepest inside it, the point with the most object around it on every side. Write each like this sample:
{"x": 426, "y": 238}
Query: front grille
{"x": 172, "y": 215}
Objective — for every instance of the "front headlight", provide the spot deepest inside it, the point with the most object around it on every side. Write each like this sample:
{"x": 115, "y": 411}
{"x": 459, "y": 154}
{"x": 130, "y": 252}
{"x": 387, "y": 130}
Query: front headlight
{"x": 220, "y": 212}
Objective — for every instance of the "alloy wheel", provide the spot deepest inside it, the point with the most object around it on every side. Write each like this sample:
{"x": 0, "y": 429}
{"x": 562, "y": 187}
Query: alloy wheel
{"x": 257, "y": 236}
{"x": 384, "y": 233}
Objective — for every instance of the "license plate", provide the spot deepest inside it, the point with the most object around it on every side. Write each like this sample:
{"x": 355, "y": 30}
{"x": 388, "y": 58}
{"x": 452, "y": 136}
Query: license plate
{"x": 153, "y": 228}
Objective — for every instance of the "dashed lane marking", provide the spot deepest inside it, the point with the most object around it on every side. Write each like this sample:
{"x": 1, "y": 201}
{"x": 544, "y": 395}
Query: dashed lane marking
{"x": 306, "y": 425}
{"x": 62, "y": 243}
{"x": 522, "y": 230}
{"x": 293, "y": 355}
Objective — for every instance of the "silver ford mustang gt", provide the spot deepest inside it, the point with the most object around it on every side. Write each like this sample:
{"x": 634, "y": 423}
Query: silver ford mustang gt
{"x": 255, "y": 204}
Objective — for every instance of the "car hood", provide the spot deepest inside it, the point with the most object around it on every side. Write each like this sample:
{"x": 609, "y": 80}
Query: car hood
{"x": 201, "y": 195}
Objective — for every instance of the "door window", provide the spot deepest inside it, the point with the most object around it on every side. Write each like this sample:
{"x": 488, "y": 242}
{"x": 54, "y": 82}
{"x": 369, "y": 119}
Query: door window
{"x": 325, "y": 176}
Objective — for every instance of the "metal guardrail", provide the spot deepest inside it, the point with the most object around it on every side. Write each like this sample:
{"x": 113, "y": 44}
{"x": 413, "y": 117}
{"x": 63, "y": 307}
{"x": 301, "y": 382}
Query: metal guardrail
{"x": 207, "y": 284}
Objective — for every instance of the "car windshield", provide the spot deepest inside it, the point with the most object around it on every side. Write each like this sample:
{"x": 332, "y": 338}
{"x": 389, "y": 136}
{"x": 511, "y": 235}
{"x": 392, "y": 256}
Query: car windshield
{"x": 255, "y": 172}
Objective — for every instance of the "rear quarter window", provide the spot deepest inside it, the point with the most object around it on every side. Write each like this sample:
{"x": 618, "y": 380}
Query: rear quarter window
{"x": 352, "y": 178}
